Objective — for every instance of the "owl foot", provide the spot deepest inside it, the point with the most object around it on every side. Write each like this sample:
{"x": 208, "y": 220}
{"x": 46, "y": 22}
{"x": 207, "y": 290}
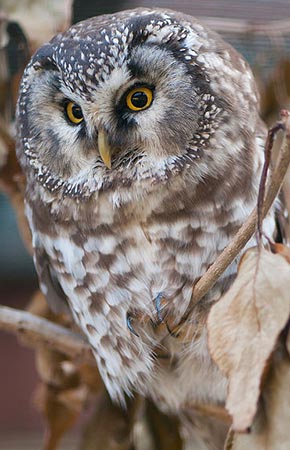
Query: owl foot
{"x": 159, "y": 307}
{"x": 129, "y": 321}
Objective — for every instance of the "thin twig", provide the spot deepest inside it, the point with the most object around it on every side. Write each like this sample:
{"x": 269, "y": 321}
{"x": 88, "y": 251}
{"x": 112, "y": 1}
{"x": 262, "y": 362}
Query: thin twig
{"x": 262, "y": 186}
{"x": 39, "y": 331}
{"x": 247, "y": 230}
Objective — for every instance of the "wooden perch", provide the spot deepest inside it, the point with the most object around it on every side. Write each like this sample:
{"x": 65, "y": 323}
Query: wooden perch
{"x": 38, "y": 331}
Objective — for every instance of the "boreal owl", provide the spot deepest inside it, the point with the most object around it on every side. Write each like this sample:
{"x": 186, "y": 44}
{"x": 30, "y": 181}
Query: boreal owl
{"x": 142, "y": 146}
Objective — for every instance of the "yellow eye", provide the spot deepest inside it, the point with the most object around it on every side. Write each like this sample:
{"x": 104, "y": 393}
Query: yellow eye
{"x": 139, "y": 98}
{"x": 74, "y": 112}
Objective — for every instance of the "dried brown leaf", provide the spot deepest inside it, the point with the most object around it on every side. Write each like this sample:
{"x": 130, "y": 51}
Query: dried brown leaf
{"x": 282, "y": 250}
{"x": 244, "y": 326}
{"x": 61, "y": 397}
{"x": 270, "y": 429}
{"x": 74, "y": 399}
{"x": 163, "y": 429}
{"x": 60, "y": 415}
{"x": 90, "y": 377}
{"x": 11, "y": 169}
{"x": 12, "y": 182}
{"x": 52, "y": 369}
{"x": 110, "y": 427}
{"x": 3, "y": 152}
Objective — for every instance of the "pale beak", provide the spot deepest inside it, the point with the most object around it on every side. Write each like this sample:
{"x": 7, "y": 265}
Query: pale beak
{"x": 104, "y": 147}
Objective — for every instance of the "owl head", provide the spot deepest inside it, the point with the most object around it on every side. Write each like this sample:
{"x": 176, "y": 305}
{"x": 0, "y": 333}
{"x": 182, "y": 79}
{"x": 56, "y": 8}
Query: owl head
{"x": 133, "y": 99}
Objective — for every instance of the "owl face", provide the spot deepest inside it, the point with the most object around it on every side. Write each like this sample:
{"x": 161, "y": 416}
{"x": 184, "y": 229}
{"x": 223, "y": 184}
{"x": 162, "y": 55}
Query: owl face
{"x": 127, "y": 98}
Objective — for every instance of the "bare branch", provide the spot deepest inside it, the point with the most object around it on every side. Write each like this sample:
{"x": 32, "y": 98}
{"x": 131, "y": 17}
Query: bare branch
{"x": 38, "y": 331}
{"x": 262, "y": 187}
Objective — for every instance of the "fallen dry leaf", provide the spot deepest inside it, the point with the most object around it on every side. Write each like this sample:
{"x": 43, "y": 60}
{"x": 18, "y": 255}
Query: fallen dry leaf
{"x": 282, "y": 250}
{"x": 61, "y": 397}
{"x": 50, "y": 366}
{"x": 270, "y": 429}
{"x": 74, "y": 399}
{"x": 61, "y": 410}
{"x": 110, "y": 427}
{"x": 3, "y": 153}
{"x": 243, "y": 328}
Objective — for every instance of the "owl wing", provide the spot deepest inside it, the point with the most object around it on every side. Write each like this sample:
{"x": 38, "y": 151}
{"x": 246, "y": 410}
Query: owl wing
{"x": 49, "y": 283}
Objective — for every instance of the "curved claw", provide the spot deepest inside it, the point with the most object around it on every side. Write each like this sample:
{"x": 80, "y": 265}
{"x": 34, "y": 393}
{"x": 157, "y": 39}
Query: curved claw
{"x": 158, "y": 307}
{"x": 129, "y": 320}
{"x": 172, "y": 333}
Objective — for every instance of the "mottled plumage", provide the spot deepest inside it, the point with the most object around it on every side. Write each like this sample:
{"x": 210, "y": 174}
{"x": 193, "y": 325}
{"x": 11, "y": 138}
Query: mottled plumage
{"x": 128, "y": 208}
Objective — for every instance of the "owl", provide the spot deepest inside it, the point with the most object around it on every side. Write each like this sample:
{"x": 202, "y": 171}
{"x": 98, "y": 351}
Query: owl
{"x": 140, "y": 139}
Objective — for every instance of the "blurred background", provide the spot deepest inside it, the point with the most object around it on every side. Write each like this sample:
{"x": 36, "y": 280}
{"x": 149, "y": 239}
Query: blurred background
{"x": 259, "y": 29}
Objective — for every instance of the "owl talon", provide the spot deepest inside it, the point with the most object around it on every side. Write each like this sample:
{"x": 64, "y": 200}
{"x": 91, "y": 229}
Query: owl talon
{"x": 171, "y": 332}
{"x": 158, "y": 307}
{"x": 130, "y": 326}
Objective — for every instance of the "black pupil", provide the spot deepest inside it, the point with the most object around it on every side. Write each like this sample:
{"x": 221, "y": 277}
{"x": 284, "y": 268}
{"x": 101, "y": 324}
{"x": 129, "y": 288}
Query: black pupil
{"x": 139, "y": 99}
{"x": 77, "y": 112}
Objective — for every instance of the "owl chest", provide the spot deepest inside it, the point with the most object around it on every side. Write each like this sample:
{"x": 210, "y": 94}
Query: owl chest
{"x": 132, "y": 264}
{"x": 123, "y": 273}
{"x": 120, "y": 268}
